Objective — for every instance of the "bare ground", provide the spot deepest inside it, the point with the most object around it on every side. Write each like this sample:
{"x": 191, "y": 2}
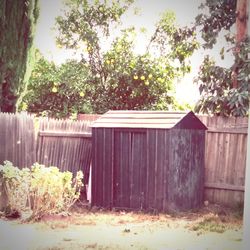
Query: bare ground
{"x": 210, "y": 228}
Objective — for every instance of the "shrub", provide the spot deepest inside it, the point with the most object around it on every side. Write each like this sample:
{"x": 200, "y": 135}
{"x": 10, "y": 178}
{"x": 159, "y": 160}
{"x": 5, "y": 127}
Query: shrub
{"x": 15, "y": 183}
{"x": 43, "y": 190}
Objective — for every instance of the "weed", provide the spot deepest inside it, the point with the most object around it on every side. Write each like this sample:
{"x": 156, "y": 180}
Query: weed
{"x": 210, "y": 223}
{"x": 239, "y": 210}
{"x": 210, "y": 226}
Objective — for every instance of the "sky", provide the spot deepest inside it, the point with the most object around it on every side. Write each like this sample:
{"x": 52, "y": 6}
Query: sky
{"x": 186, "y": 91}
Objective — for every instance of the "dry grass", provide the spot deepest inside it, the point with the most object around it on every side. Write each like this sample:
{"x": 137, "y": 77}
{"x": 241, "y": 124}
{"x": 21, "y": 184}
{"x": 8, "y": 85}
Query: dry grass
{"x": 86, "y": 228}
{"x": 212, "y": 218}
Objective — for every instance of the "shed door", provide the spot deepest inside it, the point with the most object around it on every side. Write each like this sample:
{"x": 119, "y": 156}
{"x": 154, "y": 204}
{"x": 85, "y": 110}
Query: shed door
{"x": 129, "y": 169}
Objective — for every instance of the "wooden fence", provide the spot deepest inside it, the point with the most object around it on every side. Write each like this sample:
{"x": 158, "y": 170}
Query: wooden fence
{"x": 67, "y": 144}
{"x": 62, "y": 143}
{"x": 225, "y": 159}
{"x": 17, "y": 139}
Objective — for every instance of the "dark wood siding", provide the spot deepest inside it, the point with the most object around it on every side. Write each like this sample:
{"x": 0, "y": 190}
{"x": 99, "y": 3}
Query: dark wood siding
{"x": 156, "y": 169}
{"x": 151, "y": 156}
{"x": 107, "y": 167}
{"x": 102, "y": 181}
{"x": 186, "y": 169}
{"x": 129, "y": 169}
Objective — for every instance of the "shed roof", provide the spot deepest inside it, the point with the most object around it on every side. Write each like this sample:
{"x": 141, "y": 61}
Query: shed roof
{"x": 148, "y": 119}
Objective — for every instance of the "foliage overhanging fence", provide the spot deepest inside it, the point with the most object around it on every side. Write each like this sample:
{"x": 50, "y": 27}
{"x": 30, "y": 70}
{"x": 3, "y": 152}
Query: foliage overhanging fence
{"x": 67, "y": 145}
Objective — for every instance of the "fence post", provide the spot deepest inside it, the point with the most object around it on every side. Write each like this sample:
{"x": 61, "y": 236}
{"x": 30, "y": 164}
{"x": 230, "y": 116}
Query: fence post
{"x": 246, "y": 216}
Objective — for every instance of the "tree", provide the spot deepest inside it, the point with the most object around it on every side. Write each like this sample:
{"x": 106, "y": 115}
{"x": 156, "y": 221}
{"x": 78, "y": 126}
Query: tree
{"x": 224, "y": 91}
{"x": 57, "y": 91}
{"x": 241, "y": 31}
{"x": 121, "y": 79}
{"x": 114, "y": 77}
{"x": 17, "y": 25}
{"x": 133, "y": 81}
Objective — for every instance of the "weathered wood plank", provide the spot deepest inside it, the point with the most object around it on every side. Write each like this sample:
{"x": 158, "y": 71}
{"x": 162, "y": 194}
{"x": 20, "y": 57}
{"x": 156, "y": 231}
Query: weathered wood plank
{"x": 151, "y": 189}
{"x": 107, "y": 168}
{"x": 224, "y": 186}
{"x": 65, "y": 134}
{"x": 225, "y": 159}
{"x": 17, "y": 137}
{"x": 228, "y": 130}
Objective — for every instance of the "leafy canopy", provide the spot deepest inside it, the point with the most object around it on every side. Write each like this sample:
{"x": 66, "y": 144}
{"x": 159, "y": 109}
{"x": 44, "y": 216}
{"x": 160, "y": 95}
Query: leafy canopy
{"x": 218, "y": 95}
{"x": 57, "y": 90}
{"x": 113, "y": 76}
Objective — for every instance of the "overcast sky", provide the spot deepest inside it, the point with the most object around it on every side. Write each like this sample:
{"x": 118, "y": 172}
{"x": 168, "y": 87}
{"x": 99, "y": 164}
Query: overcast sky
{"x": 149, "y": 14}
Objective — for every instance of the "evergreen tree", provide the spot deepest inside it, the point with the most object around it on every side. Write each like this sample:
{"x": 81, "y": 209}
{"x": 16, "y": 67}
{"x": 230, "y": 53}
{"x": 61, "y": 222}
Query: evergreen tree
{"x": 17, "y": 25}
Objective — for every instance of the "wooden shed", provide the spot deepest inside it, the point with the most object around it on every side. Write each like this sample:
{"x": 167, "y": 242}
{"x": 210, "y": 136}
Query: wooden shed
{"x": 149, "y": 160}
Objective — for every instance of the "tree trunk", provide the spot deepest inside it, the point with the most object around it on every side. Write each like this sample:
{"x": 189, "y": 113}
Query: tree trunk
{"x": 241, "y": 30}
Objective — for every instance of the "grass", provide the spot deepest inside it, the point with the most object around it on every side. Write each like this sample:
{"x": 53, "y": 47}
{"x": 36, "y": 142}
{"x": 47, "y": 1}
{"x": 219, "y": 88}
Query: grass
{"x": 216, "y": 222}
{"x": 209, "y": 225}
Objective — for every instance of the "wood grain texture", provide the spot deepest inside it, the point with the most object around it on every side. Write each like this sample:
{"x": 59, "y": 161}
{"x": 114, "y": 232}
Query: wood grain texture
{"x": 17, "y": 137}
{"x": 225, "y": 159}
{"x": 150, "y": 168}
{"x": 65, "y": 144}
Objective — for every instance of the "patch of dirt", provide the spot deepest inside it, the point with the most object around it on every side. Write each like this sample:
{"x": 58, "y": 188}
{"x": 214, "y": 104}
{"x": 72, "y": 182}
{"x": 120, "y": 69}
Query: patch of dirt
{"x": 211, "y": 227}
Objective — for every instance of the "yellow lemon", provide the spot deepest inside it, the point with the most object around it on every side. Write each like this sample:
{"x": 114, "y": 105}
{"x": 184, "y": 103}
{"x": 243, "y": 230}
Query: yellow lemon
{"x": 119, "y": 47}
{"x": 146, "y": 83}
{"x": 150, "y": 76}
{"x": 54, "y": 89}
{"x": 142, "y": 78}
{"x": 81, "y": 94}
{"x": 24, "y": 106}
{"x": 108, "y": 61}
{"x": 135, "y": 77}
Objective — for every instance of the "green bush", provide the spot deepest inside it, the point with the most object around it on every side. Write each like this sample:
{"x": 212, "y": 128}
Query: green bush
{"x": 16, "y": 184}
{"x": 42, "y": 190}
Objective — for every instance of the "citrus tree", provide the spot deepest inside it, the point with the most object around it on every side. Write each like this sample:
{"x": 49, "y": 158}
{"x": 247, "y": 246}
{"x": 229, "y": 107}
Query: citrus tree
{"x": 57, "y": 90}
{"x": 133, "y": 81}
{"x": 120, "y": 78}
{"x": 114, "y": 76}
